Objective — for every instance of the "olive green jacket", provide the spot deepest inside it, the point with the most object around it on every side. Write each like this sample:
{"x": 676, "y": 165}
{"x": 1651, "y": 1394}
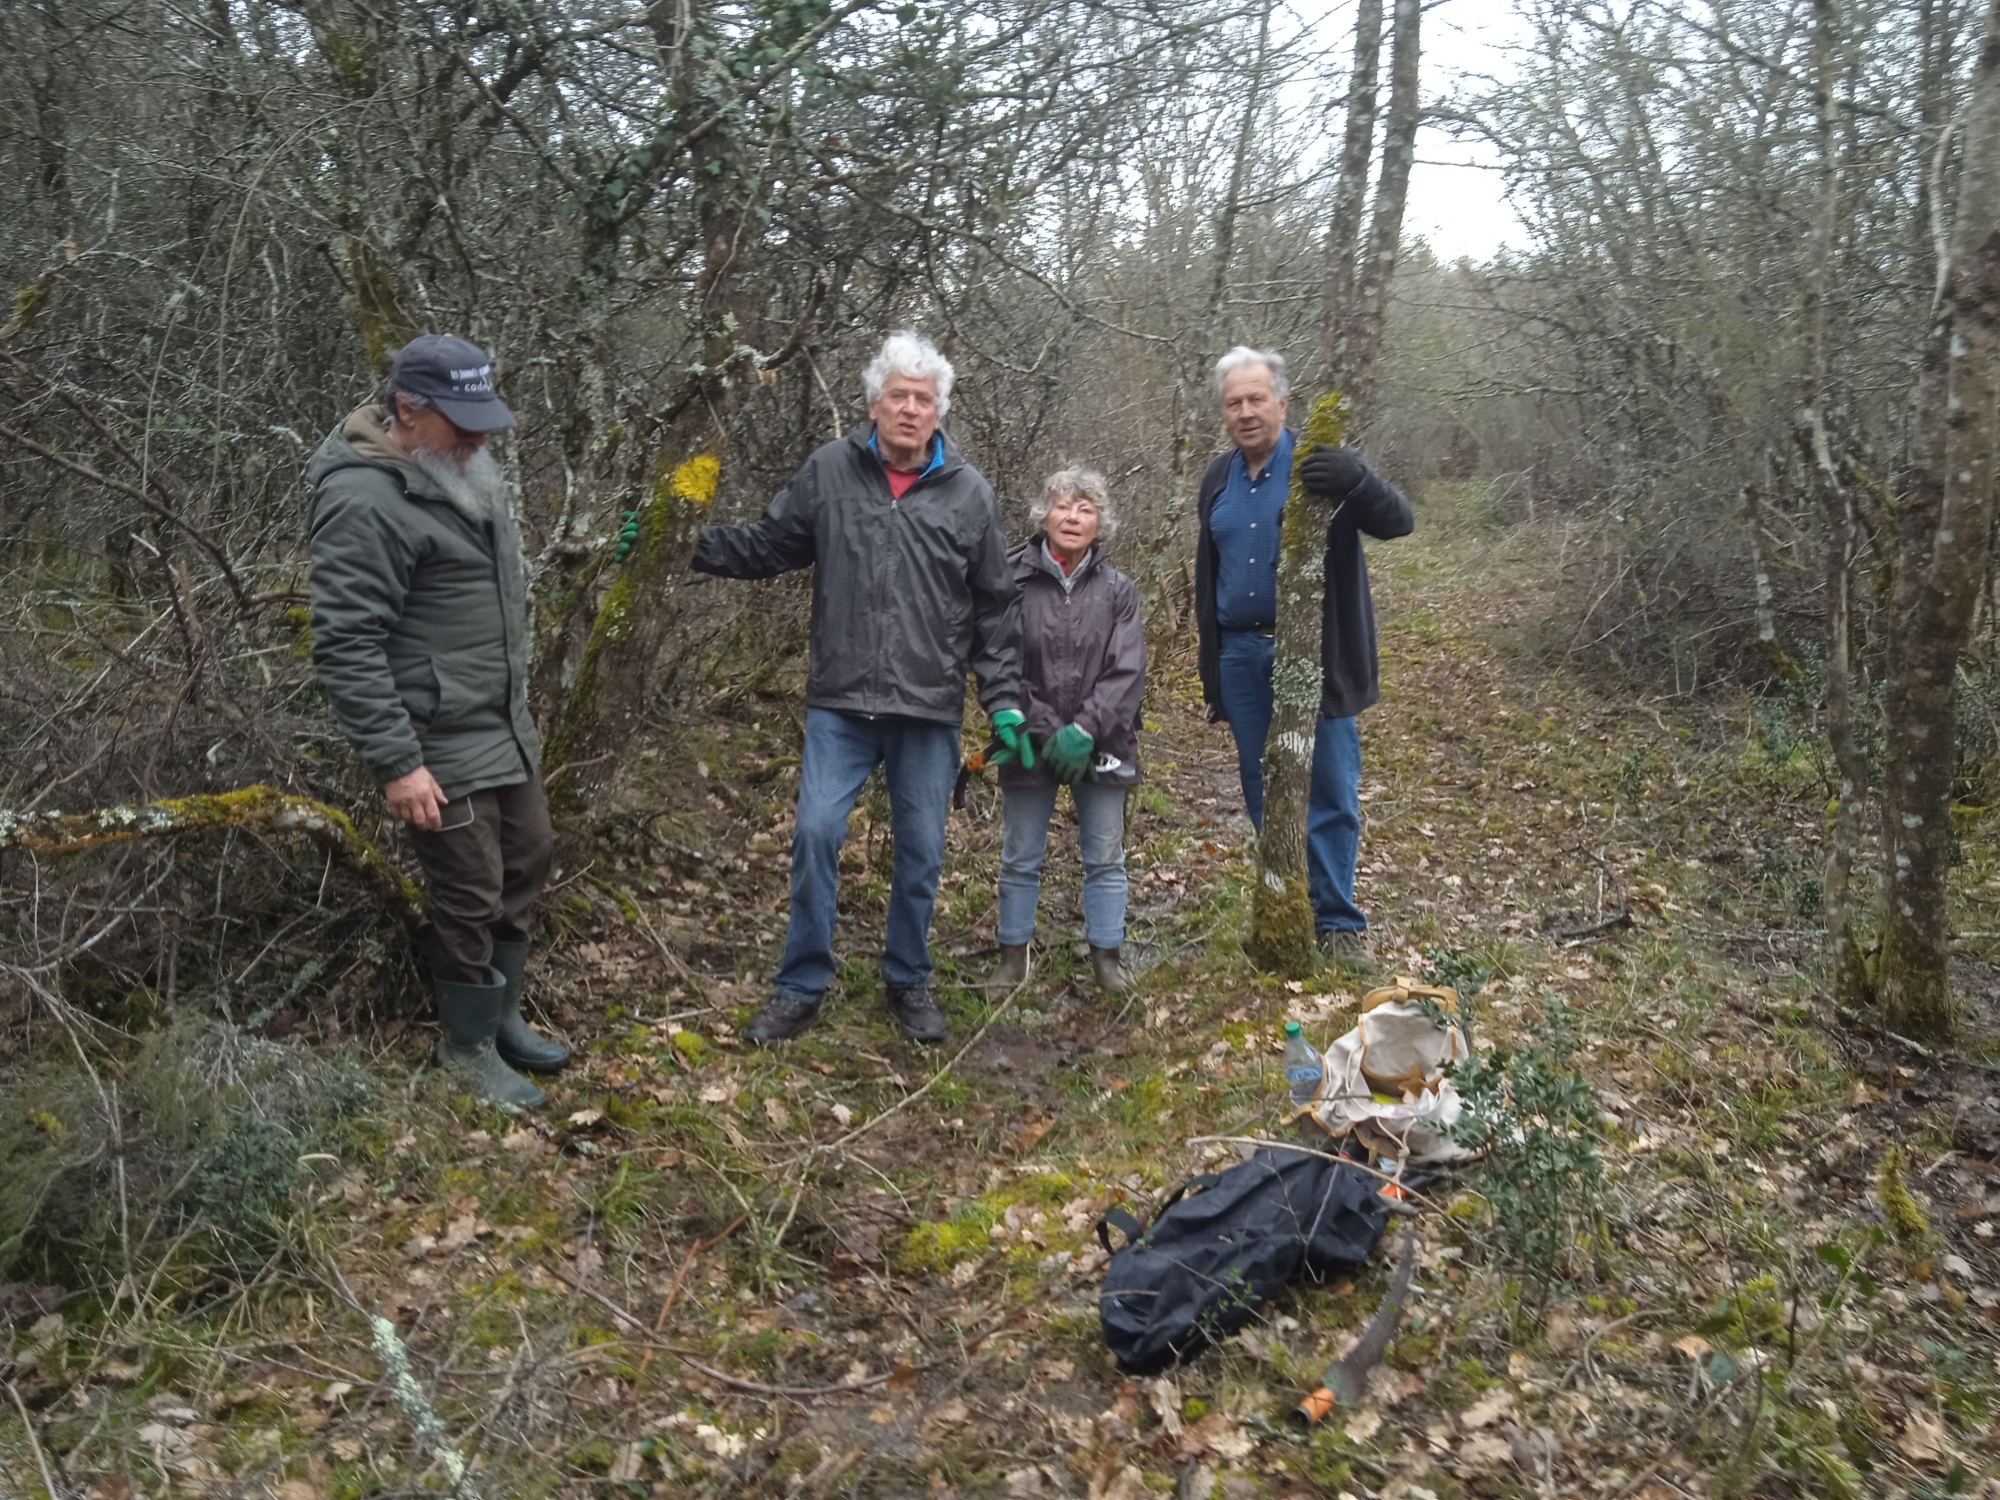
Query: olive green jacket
{"x": 419, "y": 618}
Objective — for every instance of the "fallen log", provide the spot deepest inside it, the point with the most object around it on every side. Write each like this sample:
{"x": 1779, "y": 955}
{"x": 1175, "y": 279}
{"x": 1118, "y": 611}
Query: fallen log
{"x": 260, "y": 807}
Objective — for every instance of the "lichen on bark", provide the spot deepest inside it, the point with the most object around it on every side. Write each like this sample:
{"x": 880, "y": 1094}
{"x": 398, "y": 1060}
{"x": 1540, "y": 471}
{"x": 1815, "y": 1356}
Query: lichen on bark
{"x": 58, "y": 833}
{"x": 679, "y": 503}
{"x": 1281, "y": 914}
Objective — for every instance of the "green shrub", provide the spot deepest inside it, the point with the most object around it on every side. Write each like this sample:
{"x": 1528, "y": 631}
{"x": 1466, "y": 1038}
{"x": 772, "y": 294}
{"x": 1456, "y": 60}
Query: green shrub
{"x": 1535, "y": 1117}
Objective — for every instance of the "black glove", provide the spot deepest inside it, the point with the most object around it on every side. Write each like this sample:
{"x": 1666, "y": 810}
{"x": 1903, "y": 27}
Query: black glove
{"x": 1333, "y": 473}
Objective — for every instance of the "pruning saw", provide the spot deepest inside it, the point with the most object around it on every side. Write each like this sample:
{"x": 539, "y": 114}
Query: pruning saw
{"x": 973, "y": 764}
{"x": 1347, "y": 1378}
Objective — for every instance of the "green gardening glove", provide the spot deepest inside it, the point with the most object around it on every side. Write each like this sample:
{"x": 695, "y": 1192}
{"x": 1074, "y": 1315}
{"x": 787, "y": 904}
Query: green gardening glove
{"x": 1011, "y": 730}
{"x": 1068, "y": 753}
{"x": 629, "y": 537}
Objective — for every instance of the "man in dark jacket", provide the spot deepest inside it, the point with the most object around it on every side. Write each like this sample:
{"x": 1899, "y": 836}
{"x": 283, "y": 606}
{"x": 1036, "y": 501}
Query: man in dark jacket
{"x": 1241, "y": 503}
{"x": 420, "y": 635}
{"x": 911, "y": 588}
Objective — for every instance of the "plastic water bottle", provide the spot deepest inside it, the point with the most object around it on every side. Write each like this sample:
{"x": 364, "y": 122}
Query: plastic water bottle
{"x": 1304, "y": 1067}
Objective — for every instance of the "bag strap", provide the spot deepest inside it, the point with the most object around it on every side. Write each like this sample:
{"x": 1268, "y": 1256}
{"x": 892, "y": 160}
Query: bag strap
{"x": 1126, "y": 1225}
{"x": 1131, "y": 1228}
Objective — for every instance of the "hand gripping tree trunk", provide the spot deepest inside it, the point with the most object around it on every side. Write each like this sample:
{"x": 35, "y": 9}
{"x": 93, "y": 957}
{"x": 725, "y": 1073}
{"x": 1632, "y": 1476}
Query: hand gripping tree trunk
{"x": 1942, "y": 540}
{"x": 1281, "y": 914}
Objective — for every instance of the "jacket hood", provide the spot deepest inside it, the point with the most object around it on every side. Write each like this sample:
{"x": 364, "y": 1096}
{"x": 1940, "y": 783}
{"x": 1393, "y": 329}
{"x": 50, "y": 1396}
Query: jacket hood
{"x": 1027, "y": 558}
{"x": 362, "y": 442}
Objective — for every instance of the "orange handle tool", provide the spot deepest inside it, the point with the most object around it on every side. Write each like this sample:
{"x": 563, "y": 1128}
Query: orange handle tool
{"x": 1315, "y": 1406}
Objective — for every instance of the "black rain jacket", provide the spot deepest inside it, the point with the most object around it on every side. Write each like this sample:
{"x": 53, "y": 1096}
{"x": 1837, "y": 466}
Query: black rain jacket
{"x": 908, "y": 595}
{"x": 1349, "y": 673}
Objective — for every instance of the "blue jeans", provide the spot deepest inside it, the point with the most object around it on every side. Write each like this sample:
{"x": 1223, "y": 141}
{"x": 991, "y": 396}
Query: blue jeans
{"x": 1333, "y": 818}
{"x": 1100, "y": 816}
{"x": 920, "y": 761}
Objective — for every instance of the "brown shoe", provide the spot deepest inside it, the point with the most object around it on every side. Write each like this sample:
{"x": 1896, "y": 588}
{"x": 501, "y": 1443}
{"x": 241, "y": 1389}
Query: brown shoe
{"x": 1106, "y": 964}
{"x": 1013, "y": 970}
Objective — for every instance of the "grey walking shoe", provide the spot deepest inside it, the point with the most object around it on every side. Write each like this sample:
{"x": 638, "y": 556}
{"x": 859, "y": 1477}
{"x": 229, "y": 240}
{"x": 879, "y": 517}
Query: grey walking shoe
{"x": 1107, "y": 965}
{"x": 470, "y": 1017}
{"x": 917, "y": 1013}
{"x": 782, "y": 1018}
{"x": 518, "y": 1043}
{"x": 1342, "y": 942}
{"x": 1013, "y": 970}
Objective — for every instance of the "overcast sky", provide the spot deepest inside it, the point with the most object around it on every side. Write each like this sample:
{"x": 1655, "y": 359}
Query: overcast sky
{"x": 1456, "y": 199}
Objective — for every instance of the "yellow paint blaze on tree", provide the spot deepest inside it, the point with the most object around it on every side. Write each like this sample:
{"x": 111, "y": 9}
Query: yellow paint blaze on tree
{"x": 695, "y": 481}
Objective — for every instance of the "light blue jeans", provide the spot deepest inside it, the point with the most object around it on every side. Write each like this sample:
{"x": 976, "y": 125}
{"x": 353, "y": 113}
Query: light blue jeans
{"x": 919, "y": 761}
{"x": 1100, "y": 816}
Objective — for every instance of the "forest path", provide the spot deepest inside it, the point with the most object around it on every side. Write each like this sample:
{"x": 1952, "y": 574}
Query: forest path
{"x": 832, "y": 1213}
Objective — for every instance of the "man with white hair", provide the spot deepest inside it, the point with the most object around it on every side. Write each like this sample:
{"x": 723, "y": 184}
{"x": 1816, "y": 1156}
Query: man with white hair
{"x": 420, "y": 635}
{"x": 912, "y": 589}
{"x": 1241, "y": 504}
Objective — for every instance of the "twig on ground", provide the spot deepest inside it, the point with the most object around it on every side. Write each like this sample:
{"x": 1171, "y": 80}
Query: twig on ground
{"x": 34, "y": 1442}
{"x": 574, "y": 765}
{"x": 787, "y": 1390}
{"x": 1583, "y": 1354}
{"x": 1394, "y": 1178}
{"x": 1623, "y": 918}
{"x": 911, "y": 1098}
{"x": 680, "y": 1276}
{"x": 1633, "y": 1484}
{"x": 672, "y": 958}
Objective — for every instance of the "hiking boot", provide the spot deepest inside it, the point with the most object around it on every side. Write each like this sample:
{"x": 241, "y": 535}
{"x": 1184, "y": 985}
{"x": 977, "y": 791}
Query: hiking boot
{"x": 917, "y": 1013}
{"x": 1342, "y": 943}
{"x": 519, "y": 1044}
{"x": 1013, "y": 970}
{"x": 469, "y": 1015}
{"x": 782, "y": 1018}
{"x": 1107, "y": 965}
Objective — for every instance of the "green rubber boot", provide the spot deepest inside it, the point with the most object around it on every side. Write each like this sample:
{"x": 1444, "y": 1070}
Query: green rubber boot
{"x": 518, "y": 1043}
{"x": 470, "y": 1017}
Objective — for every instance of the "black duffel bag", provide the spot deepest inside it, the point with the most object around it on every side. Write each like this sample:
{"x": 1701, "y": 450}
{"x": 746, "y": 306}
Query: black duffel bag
{"x": 1224, "y": 1245}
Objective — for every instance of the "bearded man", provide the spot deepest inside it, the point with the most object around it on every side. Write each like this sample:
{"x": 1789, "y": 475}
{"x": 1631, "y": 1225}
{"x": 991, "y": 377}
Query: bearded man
{"x": 420, "y": 635}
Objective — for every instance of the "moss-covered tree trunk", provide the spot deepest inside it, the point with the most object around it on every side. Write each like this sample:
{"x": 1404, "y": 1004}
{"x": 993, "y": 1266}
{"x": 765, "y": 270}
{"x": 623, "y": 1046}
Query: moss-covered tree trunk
{"x": 1281, "y": 914}
{"x": 1944, "y": 525}
{"x": 620, "y": 667}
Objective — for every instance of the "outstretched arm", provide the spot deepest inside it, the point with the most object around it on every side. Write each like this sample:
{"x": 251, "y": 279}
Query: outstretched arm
{"x": 778, "y": 543}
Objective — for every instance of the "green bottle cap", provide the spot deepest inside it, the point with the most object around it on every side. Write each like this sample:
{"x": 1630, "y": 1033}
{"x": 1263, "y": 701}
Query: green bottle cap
{"x": 1291, "y": 1028}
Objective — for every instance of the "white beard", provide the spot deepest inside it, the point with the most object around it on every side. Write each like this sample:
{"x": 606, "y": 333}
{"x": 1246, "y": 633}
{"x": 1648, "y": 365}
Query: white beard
{"x": 476, "y": 489}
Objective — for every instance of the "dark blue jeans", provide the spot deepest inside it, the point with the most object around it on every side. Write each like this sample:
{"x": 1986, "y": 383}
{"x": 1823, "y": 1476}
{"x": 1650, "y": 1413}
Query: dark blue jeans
{"x": 919, "y": 760}
{"x": 1333, "y": 819}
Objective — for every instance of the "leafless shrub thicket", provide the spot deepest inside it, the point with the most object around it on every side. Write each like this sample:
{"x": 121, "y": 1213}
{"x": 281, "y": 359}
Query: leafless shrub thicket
{"x": 1646, "y": 361}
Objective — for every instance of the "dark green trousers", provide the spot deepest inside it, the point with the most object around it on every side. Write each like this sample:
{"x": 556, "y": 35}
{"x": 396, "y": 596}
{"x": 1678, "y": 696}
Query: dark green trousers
{"x": 484, "y": 872}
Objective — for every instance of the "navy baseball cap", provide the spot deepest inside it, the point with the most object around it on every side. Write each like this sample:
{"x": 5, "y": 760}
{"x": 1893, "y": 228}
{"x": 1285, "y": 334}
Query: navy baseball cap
{"x": 457, "y": 378}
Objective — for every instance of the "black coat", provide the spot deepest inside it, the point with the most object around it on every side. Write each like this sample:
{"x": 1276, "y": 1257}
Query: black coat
{"x": 1349, "y": 677}
{"x": 908, "y": 595}
{"x": 1083, "y": 659}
